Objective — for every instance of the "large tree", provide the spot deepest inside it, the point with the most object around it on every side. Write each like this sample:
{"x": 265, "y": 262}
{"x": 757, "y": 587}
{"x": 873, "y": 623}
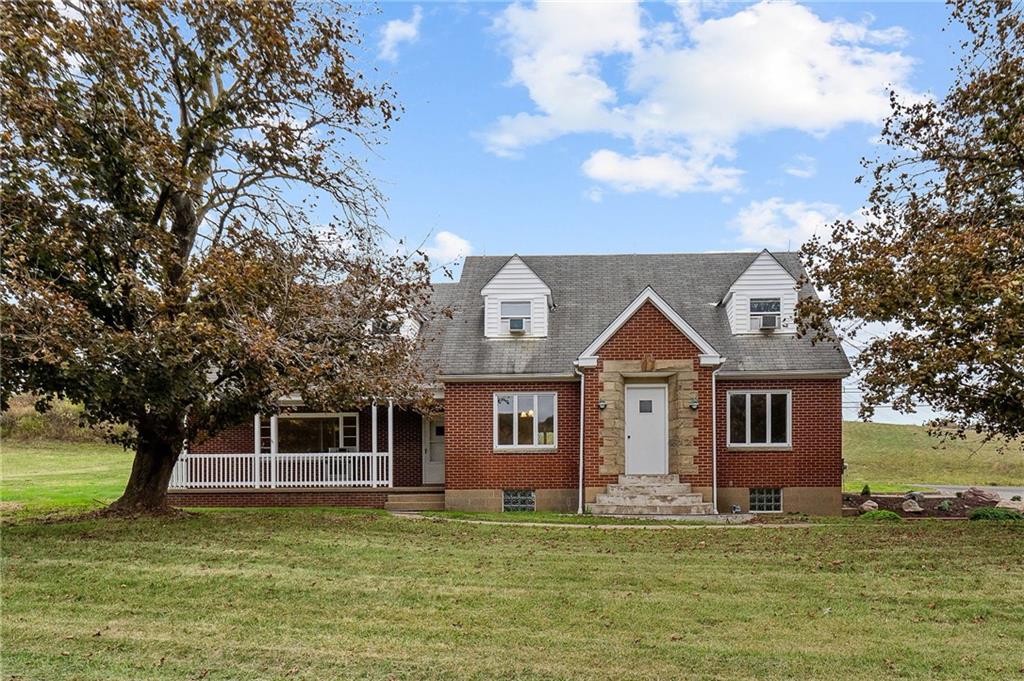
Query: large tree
{"x": 935, "y": 266}
{"x": 188, "y": 233}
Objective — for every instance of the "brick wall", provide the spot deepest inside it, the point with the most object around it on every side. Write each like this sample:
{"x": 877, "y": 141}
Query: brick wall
{"x": 816, "y": 459}
{"x": 278, "y": 497}
{"x": 470, "y": 459}
{"x": 234, "y": 440}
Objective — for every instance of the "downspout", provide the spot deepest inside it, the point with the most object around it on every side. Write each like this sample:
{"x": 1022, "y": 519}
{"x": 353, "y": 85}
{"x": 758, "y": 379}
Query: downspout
{"x": 583, "y": 385}
{"x": 714, "y": 436}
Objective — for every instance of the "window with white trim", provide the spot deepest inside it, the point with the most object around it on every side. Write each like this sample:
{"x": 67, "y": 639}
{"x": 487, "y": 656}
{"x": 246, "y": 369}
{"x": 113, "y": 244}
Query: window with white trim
{"x": 301, "y": 433}
{"x": 764, "y": 307}
{"x": 759, "y": 418}
{"x": 765, "y": 500}
{"x": 513, "y": 310}
{"x": 525, "y": 420}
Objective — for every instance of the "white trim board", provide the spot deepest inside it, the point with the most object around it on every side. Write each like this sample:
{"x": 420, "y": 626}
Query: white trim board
{"x": 709, "y": 356}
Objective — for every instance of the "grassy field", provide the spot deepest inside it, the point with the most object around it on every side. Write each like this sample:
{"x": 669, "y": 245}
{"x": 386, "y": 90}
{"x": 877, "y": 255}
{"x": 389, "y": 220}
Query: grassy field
{"x": 327, "y": 594}
{"x": 893, "y": 458}
{"x": 48, "y": 476}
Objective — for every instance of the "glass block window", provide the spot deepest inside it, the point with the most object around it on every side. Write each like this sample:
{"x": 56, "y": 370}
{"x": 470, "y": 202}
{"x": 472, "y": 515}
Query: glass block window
{"x": 518, "y": 500}
{"x": 765, "y": 499}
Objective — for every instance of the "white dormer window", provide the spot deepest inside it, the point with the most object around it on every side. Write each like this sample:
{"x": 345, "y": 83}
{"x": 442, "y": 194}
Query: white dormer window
{"x": 762, "y": 299}
{"x": 516, "y": 303}
{"x": 516, "y": 316}
{"x": 765, "y": 314}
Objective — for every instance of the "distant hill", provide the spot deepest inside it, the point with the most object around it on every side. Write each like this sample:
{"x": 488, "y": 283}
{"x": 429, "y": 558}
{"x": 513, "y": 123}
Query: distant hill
{"x": 893, "y": 457}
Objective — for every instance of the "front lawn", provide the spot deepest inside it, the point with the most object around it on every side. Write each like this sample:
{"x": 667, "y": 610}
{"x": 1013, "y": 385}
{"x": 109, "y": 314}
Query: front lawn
{"x": 328, "y": 594}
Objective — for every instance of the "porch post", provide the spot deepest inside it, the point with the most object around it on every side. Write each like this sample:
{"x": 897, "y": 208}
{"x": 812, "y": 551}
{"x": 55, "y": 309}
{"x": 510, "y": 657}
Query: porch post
{"x": 391, "y": 443}
{"x": 373, "y": 444}
{"x": 257, "y": 444}
{"x": 273, "y": 450}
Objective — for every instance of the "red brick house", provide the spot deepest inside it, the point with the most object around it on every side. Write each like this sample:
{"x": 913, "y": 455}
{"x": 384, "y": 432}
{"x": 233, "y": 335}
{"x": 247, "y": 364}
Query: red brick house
{"x": 659, "y": 384}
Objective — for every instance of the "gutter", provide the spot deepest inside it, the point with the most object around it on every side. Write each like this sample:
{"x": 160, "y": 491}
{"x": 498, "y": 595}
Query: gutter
{"x": 583, "y": 386}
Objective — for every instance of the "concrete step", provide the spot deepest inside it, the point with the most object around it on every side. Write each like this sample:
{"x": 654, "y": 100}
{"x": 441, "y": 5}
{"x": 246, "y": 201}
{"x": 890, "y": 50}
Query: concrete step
{"x": 652, "y": 509}
{"x": 670, "y": 478}
{"x": 645, "y": 499}
{"x": 415, "y": 502}
{"x": 659, "y": 488}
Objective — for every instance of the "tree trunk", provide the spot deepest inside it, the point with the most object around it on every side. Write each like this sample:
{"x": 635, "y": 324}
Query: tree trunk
{"x": 146, "y": 491}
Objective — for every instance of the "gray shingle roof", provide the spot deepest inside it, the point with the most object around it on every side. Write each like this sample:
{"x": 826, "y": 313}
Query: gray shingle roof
{"x": 589, "y": 291}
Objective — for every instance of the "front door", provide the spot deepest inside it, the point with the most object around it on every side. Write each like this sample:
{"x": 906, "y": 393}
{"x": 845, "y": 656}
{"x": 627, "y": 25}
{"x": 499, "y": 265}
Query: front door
{"x": 646, "y": 430}
{"x": 433, "y": 450}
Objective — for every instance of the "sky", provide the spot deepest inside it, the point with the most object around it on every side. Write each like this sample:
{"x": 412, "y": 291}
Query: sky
{"x": 618, "y": 127}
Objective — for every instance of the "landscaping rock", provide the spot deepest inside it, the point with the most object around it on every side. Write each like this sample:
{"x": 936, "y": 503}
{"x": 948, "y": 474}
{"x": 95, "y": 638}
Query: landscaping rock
{"x": 869, "y": 506}
{"x": 1015, "y": 505}
{"x": 976, "y": 496}
{"x": 911, "y": 506}
{"x": 916, "y": 496}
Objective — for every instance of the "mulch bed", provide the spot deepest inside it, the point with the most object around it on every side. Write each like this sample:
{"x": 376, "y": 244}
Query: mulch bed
{"x": 930, "y": 504}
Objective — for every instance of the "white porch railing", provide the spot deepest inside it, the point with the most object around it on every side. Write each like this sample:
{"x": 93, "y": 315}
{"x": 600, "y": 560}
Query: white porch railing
{"x": 329, "y": 469}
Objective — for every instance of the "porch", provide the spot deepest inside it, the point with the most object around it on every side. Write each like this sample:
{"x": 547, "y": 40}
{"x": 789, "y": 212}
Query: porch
{"x": 296, "y": 450}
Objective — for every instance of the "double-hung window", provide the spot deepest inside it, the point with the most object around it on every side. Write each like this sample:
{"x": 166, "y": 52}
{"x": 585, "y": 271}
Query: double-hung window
{"x": 764, "y": 307}
{"x": 516, "y": 316}
{"x": 525, "y": 420}
{"x": 759, "y": 418}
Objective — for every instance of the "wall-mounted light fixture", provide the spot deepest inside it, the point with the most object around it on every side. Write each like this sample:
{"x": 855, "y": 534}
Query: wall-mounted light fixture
{"x": 601, "y": 404}
{"x": 694, "y": 404}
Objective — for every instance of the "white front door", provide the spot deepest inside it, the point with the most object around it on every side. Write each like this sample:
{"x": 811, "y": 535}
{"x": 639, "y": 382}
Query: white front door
{"x": 646, "y": 430}
{"x": 433, "y": 450}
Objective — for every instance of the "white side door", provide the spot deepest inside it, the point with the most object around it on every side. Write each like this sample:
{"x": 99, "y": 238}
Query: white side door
{"x": 646, "y": 430}
{"x": 433, "y": 450}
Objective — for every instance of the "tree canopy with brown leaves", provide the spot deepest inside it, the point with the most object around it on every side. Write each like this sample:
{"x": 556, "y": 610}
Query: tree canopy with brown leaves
{"x": 938, "y": 260}
{"x": 166, "y": 265}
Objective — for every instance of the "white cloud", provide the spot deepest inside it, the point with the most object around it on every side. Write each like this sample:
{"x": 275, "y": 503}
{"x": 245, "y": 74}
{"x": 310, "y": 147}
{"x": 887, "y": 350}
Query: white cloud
{"x": 802, "y": 166}
{"x": 448, "y": 247}
{"x": 662, "y": 173}
{"x": 594, "y": 195}
{"x": 691, "y": 88}
{"x": 781, "y": 225}
{"x": 398, "y": 31}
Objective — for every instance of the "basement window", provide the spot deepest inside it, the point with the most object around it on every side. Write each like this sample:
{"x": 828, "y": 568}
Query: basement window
{"x": 518, "y": 500}
{"x": 766, "y": 500}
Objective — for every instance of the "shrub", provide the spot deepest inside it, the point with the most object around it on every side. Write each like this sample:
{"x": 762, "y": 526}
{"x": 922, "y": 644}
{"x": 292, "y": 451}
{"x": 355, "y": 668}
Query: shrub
{"x": 992, "y": 513}
{"x": 881, "y": 515}
{"x": 945, "y": 506}
{"x": 62, "y": 422}
{"x": 959, "y": 495}
{"x": 865, "y": 491}
{"x": 1015, "y": 497}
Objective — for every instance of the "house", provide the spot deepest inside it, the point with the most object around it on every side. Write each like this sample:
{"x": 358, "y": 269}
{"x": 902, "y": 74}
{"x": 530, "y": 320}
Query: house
{"x": 670, "y": 383}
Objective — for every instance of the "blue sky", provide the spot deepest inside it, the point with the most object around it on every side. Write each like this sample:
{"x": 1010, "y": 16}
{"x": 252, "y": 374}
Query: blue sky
{"x": 617, "y": 127}
{"x": 757, "y": 156}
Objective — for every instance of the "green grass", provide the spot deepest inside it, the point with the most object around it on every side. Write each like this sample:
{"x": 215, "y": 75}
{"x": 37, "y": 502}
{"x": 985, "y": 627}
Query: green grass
{"x": 327, "y": 594}
{"x": 49, "y": 476}
{"x": 896, "y": 458}
{"x": 547, "y": 517}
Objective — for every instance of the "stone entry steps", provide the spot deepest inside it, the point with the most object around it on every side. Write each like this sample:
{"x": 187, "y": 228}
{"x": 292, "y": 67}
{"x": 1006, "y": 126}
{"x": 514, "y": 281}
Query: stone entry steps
{"x": 650, "y": 495}
{"x": 427, "y": 501}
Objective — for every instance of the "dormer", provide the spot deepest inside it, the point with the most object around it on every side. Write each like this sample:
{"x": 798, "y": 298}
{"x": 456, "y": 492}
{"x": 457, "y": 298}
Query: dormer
{"x": 516, "y": 302}
{"x": 763, "y": 298}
